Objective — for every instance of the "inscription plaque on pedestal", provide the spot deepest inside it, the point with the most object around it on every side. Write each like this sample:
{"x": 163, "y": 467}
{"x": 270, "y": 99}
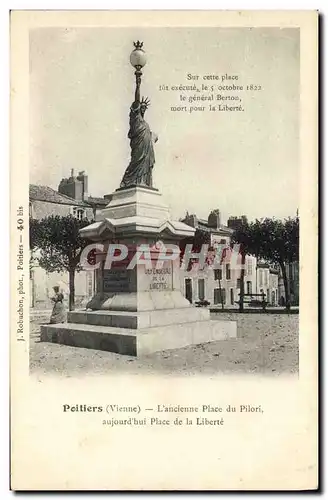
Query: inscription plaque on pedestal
{"x": 116, "y": 280}
{"x": 160, "y": 279}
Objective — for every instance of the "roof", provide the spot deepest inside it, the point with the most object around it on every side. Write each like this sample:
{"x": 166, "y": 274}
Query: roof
{"x": 196, "y": 222}
{"x": 96, "y": 200}
{"x": 263, "y": 265}
{"x": 46, "y": 193}
{"x": 203, "y": 224}
{"x": 226, "y": 229}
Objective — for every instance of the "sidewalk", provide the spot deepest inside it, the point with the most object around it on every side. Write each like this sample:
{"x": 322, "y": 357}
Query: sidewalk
{"x": 255, "y": 310}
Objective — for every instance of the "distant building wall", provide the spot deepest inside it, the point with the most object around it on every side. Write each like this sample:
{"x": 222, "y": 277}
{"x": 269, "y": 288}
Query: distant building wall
{"x": 42, "y": 209}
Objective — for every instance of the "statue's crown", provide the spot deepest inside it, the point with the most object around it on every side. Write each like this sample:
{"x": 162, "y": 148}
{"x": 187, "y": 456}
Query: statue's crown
{"x": 145, "y": 102}
{"x": 138, "y": 44}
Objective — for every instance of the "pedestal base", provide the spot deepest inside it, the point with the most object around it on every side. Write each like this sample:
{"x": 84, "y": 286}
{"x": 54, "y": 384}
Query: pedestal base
{"x": 138, "y": 342}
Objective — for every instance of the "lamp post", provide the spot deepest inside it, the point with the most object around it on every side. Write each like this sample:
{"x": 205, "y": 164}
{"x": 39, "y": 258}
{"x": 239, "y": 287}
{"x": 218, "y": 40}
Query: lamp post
{"x": 138, "y": 60}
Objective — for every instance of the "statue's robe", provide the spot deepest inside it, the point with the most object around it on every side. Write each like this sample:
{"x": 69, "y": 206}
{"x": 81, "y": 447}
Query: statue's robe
{"x": 142, "y": 161}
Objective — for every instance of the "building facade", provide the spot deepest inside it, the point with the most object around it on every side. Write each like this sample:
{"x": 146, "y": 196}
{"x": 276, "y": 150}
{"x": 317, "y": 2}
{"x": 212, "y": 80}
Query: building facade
{"x": 220, "y": 285}
{"x": 267, "y": 282}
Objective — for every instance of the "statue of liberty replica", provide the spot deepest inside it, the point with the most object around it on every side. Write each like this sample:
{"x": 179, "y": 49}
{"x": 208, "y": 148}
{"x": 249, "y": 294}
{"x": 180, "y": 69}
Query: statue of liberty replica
{"x": 139, "y": 171}
{"x": 134, "y": 312}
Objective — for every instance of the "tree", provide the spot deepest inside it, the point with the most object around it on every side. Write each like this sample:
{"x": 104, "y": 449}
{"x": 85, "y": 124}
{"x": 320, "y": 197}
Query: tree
{"x": 273, "y": 240}
{"x": 280, "y": 245}
{"x": 199, "y": 239}
{"x": 60, "y": 245}
{"x": 249, "y": 245}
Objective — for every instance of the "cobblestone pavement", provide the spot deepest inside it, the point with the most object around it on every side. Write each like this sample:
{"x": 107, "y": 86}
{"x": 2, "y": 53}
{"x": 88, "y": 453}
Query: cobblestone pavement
{"x": 266, "y": 344}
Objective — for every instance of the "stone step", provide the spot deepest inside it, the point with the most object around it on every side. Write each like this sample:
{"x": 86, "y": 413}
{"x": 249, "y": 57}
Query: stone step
{"x": 140, "y": 319}
{"x": 140, "y": 342}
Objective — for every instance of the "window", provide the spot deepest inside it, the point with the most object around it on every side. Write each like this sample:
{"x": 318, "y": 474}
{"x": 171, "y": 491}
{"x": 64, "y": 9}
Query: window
{"x": 201, "y": 289}
{"x": 261, "y": 277}
{"x": 79, "y": 213}
{"x": 238, "y": 282}
{"x": 218, "y": 274}
{"x": 249, "y": 267}
{"x": 249, "y": 287}
{"x": 232, "y": 299}
{"x": 228, "y": 272}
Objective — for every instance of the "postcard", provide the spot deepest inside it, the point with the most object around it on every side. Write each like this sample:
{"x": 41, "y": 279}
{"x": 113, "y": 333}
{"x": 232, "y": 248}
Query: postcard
{"x": 164, "y": 242}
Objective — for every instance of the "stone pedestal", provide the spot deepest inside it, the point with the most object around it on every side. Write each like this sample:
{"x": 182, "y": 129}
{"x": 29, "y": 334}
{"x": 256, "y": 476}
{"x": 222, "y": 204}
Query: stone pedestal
{"x": 138, "y": 309}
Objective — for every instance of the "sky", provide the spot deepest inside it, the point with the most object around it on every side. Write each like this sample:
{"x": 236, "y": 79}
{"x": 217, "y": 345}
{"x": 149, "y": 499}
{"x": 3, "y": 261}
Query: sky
{"x": 82, "y": 86}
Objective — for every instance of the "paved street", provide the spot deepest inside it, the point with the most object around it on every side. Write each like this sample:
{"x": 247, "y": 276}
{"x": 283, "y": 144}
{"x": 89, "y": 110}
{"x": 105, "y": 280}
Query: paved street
{"x": 266, "y": 344}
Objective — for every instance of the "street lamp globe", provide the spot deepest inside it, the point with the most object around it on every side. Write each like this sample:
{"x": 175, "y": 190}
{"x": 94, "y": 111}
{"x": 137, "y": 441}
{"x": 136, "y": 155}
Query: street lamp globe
{"x": 138, "y": 57}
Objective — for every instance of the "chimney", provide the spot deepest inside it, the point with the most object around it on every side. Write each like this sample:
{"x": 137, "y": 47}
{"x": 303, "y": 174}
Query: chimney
{"x": 71, "y": 187}
{"x": 214, "y": 219}
{"x": 84, "y": 179}
{"x": 190, "y": 220}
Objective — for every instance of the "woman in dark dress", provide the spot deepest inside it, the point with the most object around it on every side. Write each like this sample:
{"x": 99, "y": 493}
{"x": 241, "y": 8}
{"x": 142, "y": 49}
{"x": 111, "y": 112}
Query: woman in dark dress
{"x": 58, "y": 314}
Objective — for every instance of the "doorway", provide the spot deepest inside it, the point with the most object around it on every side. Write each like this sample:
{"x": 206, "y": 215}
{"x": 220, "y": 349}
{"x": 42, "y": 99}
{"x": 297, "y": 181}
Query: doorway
{"x": 219, "y": 296}
{"x": 188, "y": 289}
